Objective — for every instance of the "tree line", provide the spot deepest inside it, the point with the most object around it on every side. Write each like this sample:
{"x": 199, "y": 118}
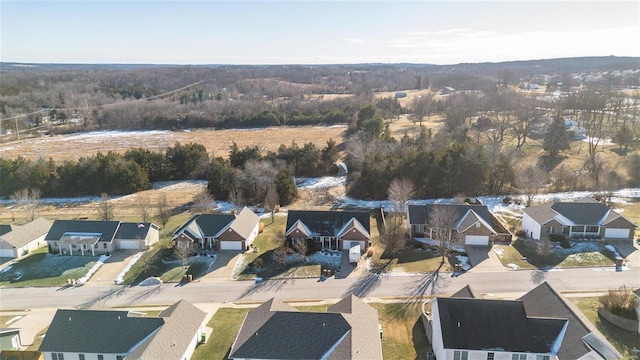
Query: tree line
{"x": 246, "y": 177}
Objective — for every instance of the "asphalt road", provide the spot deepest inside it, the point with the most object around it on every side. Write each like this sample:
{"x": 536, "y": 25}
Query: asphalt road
{"x": 370, "y": 285}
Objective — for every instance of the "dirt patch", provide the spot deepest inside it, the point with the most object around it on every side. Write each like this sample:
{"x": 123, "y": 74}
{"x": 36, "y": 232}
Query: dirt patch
{"x": 217, "y": 142}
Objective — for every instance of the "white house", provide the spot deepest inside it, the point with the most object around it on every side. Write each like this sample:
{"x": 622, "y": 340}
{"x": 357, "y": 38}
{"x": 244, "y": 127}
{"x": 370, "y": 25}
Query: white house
{"x": 19, "y": 240}
{"x": 583, "y": 218}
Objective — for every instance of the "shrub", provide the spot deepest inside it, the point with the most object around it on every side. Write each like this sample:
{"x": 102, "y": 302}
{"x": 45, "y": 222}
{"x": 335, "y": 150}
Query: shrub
{"x": 370, "y": 252}
{"x": 506, "y": 200}
{"x": 521, "y": 233}
{"x": 557, "y": 237}
{"x": 620, "y": 302}
{"x": 565, "y": 244}
{"x": 259, "y": 262}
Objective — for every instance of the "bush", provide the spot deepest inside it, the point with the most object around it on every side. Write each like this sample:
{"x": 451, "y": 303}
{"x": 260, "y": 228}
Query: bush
{"x": 620, "y": 302}
{"x": 370, "y": 252}
{"x": 506, "y": 200}
{"x": 557, "y": 237}
{"x": 521, "y": 233}
{"x": 565, "y": 244}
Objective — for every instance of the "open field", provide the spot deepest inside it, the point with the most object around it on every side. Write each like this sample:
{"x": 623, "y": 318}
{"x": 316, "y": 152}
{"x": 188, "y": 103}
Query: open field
{"x": 217, "y": 142}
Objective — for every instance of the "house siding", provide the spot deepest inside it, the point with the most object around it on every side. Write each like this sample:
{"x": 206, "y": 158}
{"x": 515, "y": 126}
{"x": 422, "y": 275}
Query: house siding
{"x": 531, "y": 227}
{"x": 230, "y": 235}
{"x": 619, "y": 223}
{"x": 87, "y": 356}
{"x": 473, "y": 230}
{"x": 544, "y": 230}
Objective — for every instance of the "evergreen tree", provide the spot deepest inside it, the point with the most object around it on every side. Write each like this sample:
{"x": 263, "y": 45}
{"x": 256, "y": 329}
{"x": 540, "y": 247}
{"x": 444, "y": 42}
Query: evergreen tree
{"x": 557, "y": 138}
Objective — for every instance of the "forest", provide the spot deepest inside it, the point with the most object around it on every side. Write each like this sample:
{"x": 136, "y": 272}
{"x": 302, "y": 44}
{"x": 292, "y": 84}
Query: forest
{"x": 491, "y": 135}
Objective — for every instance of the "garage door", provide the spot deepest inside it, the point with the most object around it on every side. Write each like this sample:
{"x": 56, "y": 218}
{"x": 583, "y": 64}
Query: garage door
{"x": 476, "y": 240}
{"x": 230, "y": 245}
{"x": 7, "y": 253}
{"x": 130, "y": 244}
{"x": 616, "y": 233}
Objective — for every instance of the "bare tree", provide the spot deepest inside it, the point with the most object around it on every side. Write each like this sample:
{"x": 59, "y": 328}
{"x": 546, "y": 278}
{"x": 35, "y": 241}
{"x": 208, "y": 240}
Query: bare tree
{"x": 29, "y": 200}
{"x": 394, "y": 238}
{"x": 545, "y": 248}
{"x": 281, "y": 251}
{"x": 421, "y": 107}
{"x": 442, "y": 221}
{"x": 529, "y": 179}
{"x": 183, "y": 250}
{"x": 163, "y": 209}
{"x": 145, "y": 257}
{"x": 144, "y": 210}
{"x": 300, "y": 248}
{"x": 105, "y": 208}
{"x": 235, "y": 196}
{"x": 203, "y": 203}
{"x": 400, "y": 191}
{"x": 271, "y": 200}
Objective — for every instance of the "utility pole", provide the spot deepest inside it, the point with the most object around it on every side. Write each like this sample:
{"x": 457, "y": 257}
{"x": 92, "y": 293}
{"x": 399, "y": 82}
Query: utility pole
{"x": 17, "y": 130}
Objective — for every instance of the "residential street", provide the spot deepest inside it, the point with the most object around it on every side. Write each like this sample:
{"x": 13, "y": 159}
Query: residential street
{"x": 369, "y": 285}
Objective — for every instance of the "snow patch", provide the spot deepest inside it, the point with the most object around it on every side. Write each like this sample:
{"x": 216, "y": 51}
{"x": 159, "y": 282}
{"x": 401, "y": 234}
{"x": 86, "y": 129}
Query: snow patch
{"x": 513, "y": 266}
{"x": 151, "y": 281}
{"x": 126, "y": 269}
{"x": 93, "y": 269}
{"x": 320, "y": 183}
{"x": 464, "y": 262}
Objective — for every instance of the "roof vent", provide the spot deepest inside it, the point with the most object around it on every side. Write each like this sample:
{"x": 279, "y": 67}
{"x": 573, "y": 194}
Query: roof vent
{"x": 458, "y": 323}
{"x": 69, "y": 318}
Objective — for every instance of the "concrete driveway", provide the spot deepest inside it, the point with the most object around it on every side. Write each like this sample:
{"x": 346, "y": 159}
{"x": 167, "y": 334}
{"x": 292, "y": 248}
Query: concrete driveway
{"x": 483, "y": 259}
{"x": 112, "y": 267}
{"x": 222, "y": 269}
{"x": 628, "y": 249}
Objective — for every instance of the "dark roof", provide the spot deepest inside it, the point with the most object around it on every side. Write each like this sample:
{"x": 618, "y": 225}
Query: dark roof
{"x": 327, "y": 223}
{"x": 420, "y": 214}
{"x": 294, "y": 335}
{"x": 129, "y": 230}
{"x": 211, "y": 224}
{"x": 477, "y": 324}
{"x": 466, "y": 292}
{"x": 106, "y": 228}
{"x": 4, "y": 228}
{"x": 545, "y": 301}
{"x": 582, "y": 213}
{"x": 91, "y": 331}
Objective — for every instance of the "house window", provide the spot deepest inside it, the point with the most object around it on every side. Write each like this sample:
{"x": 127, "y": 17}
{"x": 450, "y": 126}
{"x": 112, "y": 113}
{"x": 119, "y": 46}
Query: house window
{"x": 542, "y": 357}
{"x": 104, "y": 245}
{"x": 490, "y": 356}
{"x": 100, "y": 357}
{"x": 119, "y": 357}
{"x": 552, "y": 230}
{"x": 460, "y": 355}
{"x": 57, "y": 356}
{"x": 519, "y": 357}
{"x": 80, "y": 356}
{"x": 592, "y": 229}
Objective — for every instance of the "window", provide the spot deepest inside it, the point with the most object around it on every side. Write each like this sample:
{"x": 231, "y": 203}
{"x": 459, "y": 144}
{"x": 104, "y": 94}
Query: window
{"x": 519, "y": 357}
{"x": 57, "y": 356}
{"x": 542, "y": 357}
{"x": 552, "y": 230}
{"x": 104, "y": 245}
{"x": 119, "y": 357}
{"x": 460, "y": 355}
{"x": 100, "y": 357}
{"x": 80, "y": 356}
{"x": 592, "y": 229}
{"x": 490, "y": 356}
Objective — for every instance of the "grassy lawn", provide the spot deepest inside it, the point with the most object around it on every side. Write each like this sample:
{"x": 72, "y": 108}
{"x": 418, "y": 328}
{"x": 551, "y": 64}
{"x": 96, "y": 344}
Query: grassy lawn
{"x": 579, "y": 255}
{"x": 4, "y": 319}
{"x": 42, "y": 269}
{"x": 404, "y": 337}
{"x": 623, "y": 341}
{"x": 37, "y": 340}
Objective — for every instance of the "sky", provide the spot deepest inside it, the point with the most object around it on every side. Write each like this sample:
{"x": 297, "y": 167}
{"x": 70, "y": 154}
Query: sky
{"x": 314, "y": 32}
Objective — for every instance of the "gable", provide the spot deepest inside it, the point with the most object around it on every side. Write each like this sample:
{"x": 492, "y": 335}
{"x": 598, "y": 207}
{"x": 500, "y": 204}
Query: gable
{"x": 23, "y": 234}
{"x": 327, "y": 223}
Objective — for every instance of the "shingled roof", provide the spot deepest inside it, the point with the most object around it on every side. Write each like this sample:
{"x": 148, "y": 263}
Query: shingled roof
{"x": 276, "y": 330}
{"x": 92, "y": 331}
{"x": 585, "y": 211}
{"x": 477, "y": 324}
{"x": 544, "y": 300}
{"x": 327, "y": 223}
{"x": 23, "y": 234}
{"x": 107, "y": 229}
{"x": 421, "y": 214}
{"x": 132, "y": 230}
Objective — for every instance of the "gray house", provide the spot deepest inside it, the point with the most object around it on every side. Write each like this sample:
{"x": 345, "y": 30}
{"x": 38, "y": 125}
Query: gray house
{"x": 584, "y": 218}
{"x": 19, "y": 240}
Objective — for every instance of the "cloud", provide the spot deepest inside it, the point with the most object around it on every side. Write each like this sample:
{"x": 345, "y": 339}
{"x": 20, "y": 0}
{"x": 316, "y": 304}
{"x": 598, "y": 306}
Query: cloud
{"x": 354, "y": 41}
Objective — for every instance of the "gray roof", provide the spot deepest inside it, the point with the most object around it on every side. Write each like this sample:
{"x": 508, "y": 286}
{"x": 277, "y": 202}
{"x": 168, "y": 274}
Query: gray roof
{"x": 293, "y": 335}
{"x": 466, "y": 292}
{"x": 106, "y": 228}
{"x": 420, "y": 214}
{"x": 132, "y": 230}
{"x": 544, "y": 300}
{"x": 182, "y": 322}
{"x": 477, "y": 324}
{"x": 582, "y": 213}
{"x": 245, "y": 222}
{"x": 327, "y": 223}
{"x": 23, "y": 234}
{"x": 275, "y": 330}
{"x": 211, "y": 224}
{"x": 542, "y": 214}
{"x": 91, "y": 331}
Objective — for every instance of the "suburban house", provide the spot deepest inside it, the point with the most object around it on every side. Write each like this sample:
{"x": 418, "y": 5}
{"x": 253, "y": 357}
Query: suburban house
{"x": 472, "y": 222}
{"x": 116, "y": 335}
{"x": 348, "y": 330}
{"x": 91, "y": 237}
{"x": 220, "y": 231}
{"x": 541, "y": 325}
{"x": 585, "y": 218}
{"x": 19, "y": 240}
{"x": 10, "y": 339}
{"x": 338, "y": 230}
